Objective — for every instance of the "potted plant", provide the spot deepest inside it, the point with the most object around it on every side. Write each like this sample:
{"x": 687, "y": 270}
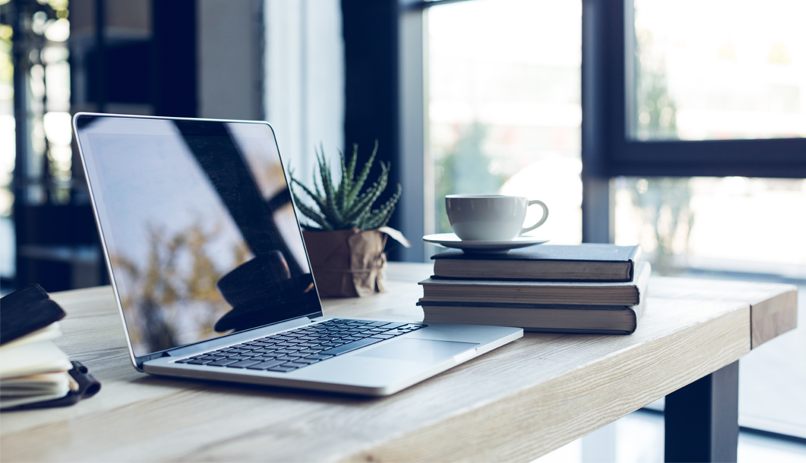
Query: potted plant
{"x": 346, "y": 236}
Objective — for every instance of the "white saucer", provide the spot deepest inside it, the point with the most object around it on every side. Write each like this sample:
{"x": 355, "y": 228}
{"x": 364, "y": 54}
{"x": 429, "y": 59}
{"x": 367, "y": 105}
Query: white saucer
{"x": 450, "y": 240}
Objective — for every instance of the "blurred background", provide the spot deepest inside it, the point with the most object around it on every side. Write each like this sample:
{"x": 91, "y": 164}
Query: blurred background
{"x": 677, "y": 125}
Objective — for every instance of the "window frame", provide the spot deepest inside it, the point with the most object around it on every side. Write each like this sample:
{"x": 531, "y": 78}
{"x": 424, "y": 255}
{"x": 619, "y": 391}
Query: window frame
{"x": 607, "y": 151}
{"x": 776, "y": 157}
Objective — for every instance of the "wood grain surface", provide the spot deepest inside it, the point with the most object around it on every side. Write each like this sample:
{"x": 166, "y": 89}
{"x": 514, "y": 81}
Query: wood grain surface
{"x": 515, "y": 403}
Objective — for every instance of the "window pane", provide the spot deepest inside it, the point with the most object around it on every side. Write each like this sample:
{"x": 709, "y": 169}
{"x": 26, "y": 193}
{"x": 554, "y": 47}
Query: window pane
{"x": 504, "y": 105}
{"x": 7, "y": 153}
{"x": 737, "y": 228}
{"x": 733, "y": 223}
{"x": 719, "y": 69}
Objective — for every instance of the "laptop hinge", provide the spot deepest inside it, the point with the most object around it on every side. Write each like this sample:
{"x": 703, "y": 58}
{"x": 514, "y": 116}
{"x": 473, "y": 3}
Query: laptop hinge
{"x": 145, "y": 358}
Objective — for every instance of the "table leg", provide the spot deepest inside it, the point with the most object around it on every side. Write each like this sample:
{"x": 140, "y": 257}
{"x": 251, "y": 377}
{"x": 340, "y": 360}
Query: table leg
{"x": 702, "y": 419}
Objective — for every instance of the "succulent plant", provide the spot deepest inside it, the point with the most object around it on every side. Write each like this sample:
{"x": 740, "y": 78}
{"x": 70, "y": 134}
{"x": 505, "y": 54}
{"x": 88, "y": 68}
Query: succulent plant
{"x": 342, "y": 207}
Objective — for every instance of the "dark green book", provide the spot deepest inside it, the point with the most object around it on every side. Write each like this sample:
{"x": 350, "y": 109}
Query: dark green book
{"x": 583, "y": 262}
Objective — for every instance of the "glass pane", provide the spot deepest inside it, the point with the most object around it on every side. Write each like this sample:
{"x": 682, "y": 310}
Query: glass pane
{"x": 7, "y": 153}
{"x": 504, "y": 106}
{"x": 733, "y": 223}
{"x": 736, "y": 228}
{"x": 719, "y": 69}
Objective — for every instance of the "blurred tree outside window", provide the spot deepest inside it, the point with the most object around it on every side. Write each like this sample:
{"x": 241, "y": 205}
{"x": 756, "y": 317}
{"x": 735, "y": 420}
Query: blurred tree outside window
{"x": 503, "y": 110}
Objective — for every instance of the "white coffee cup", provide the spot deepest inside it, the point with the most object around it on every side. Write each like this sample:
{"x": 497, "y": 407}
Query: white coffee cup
{"x": 490, "y": 217}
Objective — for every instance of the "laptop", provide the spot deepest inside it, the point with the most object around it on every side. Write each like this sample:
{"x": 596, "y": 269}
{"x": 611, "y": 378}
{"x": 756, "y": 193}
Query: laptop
{"x": 211, "y": 274}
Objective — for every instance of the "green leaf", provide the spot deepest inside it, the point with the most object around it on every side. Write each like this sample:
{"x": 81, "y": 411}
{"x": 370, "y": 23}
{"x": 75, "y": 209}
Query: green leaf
{"x": 314, "y": 216}
{"x": 380, "y": 217}
{"x": 316, "y": 186}
{"x": 344, "y": 205}
{"x": 349, "y": 198}
{"x": 364, "y": 202}
{"x": 320, "y": 202}
{"x": 331, "y": 212}
{"x": 359, "y": 183}
{"x": 346, "y": 181}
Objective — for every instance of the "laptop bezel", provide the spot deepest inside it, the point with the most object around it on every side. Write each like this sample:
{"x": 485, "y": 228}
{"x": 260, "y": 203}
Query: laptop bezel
{"x": 138, "y": 360}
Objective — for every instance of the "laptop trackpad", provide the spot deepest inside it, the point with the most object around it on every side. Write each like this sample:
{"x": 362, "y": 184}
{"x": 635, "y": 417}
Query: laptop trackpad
{"x": 418, "y": 350}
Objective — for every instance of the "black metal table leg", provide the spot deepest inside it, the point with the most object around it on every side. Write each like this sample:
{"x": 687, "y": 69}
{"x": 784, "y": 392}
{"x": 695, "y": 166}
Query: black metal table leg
{"x": 702, "y": 419}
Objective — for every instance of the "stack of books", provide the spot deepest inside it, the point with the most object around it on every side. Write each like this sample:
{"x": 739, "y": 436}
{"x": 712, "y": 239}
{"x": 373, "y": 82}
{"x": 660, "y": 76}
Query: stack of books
{"x": 588, "y": 288}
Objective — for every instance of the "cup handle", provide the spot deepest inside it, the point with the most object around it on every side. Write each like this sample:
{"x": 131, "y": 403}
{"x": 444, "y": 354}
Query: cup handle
{"x": 542, "y": 219}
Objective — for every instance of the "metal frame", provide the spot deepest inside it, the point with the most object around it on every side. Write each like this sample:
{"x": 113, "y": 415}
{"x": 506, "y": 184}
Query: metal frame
{"x": 702, "y": 419}
{"x": 598, "y": 203}
{"x": 784, "y": 158}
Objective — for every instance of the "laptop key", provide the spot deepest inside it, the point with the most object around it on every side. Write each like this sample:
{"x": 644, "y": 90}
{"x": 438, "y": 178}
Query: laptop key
{"x": 266, "y": 365}
{"x": 377, "y": 323}
{"x": 221, "y": 363}
{"x": 243, "y": 364}
{"x": 350, "y": 346}
{"x": 303, "y": 362}
{"x": 391, "y": 326}
{"x": 282, "y": 368}
{"x": 309, "y": 352}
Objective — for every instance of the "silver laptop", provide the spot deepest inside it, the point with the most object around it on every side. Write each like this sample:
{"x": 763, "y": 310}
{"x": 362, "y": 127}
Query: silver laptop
{"x": 211, "y": 274}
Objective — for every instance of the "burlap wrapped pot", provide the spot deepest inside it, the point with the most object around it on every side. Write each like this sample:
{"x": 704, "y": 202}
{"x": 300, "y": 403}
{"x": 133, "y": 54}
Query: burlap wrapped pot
{"x": 348, "y": 263}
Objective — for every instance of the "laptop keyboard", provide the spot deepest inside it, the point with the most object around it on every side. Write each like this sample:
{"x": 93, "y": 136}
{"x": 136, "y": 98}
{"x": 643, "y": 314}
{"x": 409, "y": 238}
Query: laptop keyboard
{"x": 300, "y": 347}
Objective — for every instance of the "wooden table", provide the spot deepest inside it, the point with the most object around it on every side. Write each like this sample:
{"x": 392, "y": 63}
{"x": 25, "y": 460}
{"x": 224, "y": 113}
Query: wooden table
{"x": 515, "y": 404}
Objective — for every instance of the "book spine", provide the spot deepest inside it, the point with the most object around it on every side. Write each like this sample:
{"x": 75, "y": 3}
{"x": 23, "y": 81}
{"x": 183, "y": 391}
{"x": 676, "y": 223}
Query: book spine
{"x": 579, "y": 296}
{"x": 535, "y": 322}
{"x": 519, "y": 270}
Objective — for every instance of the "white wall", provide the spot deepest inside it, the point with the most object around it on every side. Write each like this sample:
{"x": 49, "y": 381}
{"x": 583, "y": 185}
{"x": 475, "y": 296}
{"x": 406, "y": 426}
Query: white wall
{"x": 304, "y": 86}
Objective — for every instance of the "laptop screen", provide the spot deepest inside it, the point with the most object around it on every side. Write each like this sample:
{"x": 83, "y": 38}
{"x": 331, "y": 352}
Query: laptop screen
{"x": 198, "y": 227}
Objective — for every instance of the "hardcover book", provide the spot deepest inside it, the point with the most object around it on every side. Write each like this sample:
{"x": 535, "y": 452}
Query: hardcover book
{"x": 584, "y": 262}
{"x": 538, "y": 292}
{"x": 591, "y": 319}
{"x": 541, "y": 316}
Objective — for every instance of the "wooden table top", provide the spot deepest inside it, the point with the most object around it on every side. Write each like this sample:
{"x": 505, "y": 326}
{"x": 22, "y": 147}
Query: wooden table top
{"x": 515, "y": 403}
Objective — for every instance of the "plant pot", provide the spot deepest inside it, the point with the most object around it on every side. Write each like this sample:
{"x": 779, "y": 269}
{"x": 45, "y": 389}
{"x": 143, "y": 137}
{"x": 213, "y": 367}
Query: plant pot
{"x": 347, "y": 263}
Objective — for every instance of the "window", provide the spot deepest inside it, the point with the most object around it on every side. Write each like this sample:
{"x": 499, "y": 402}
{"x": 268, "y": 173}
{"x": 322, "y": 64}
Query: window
{"x": 692, "y": 136}
{"x": 737, "y": 69}
{"x": 734, "y": 70}
{"x": 503, "y": 111}
{"x": 735, "y": 224}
